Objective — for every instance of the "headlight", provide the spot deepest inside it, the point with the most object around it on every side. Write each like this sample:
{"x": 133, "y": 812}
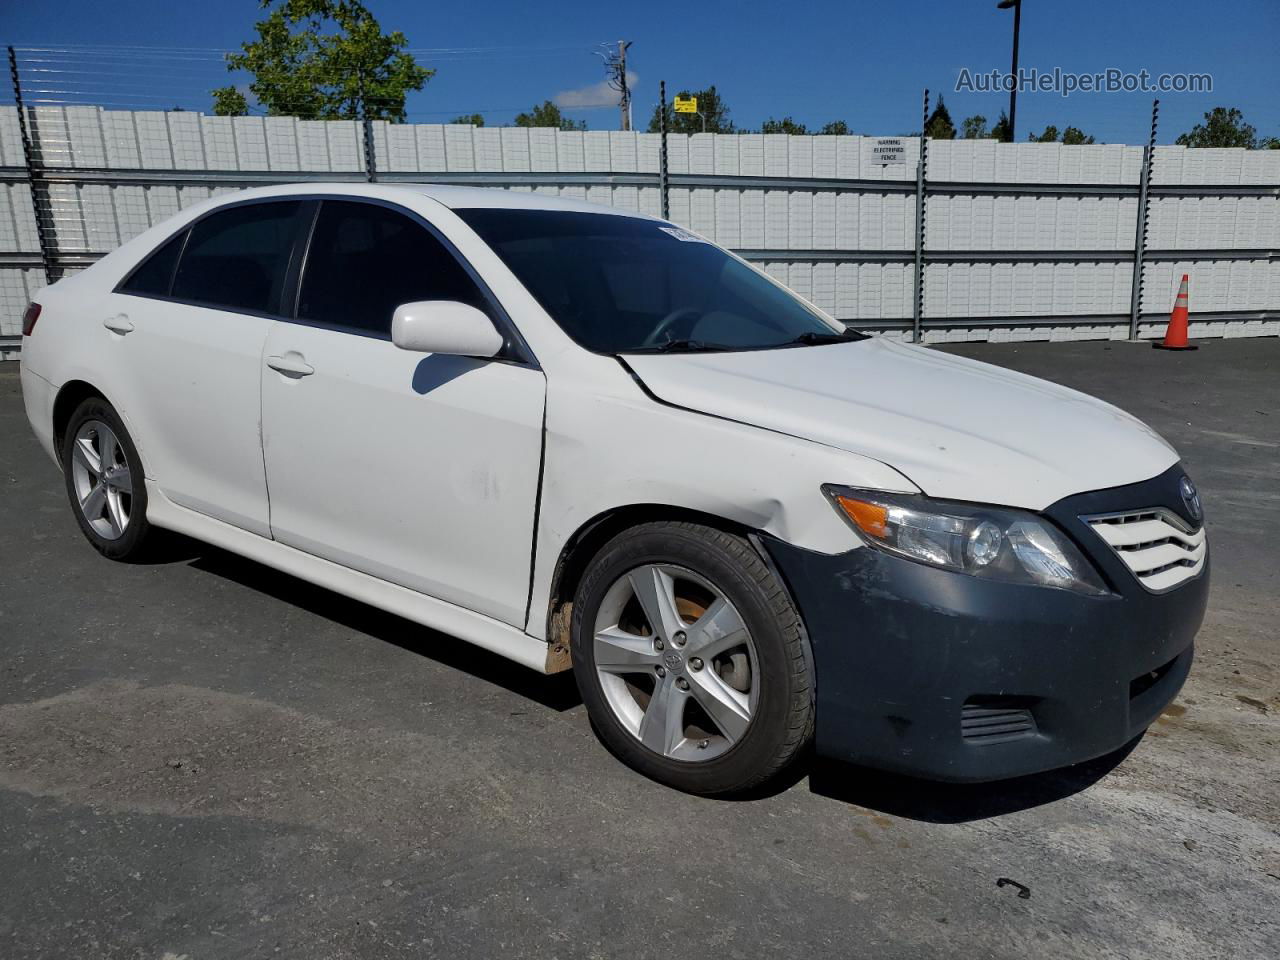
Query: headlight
{"x": 990, "y": 542}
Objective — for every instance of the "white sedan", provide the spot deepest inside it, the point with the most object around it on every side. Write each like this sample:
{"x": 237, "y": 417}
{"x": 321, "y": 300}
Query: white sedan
{"x": 588, "y": 439}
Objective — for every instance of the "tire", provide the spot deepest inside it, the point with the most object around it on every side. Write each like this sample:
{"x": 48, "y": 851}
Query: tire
{"x": 725, "y": 723}
{"x": 116, "y": 522}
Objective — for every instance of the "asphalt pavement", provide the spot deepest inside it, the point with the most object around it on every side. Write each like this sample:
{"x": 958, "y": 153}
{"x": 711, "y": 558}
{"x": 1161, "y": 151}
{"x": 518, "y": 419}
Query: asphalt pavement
{"x": 201, "y": 757}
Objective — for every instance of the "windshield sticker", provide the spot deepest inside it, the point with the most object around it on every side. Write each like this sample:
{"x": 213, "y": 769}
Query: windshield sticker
{"x": 684, "y": 235}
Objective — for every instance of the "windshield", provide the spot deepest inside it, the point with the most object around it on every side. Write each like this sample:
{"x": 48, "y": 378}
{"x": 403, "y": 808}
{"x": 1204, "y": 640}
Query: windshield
{"x": 620, "y": 284}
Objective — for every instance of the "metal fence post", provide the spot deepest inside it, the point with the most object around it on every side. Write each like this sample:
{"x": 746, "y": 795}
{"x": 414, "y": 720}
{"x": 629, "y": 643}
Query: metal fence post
{"x": 1140, "y": 241}
{"x": 917, "y": 307}
{"x": 48, "y": 243}
{"x": 366, "y": 125}
{"x": 663, "y": 181}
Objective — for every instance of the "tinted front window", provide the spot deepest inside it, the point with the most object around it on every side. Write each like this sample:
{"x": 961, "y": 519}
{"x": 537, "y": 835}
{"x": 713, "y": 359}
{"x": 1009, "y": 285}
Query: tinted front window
{"x": 155, "y": 274}
{"x": 618, "y": 283}
{"x": 365, "y": 260}
{"x": 237, "y": 258}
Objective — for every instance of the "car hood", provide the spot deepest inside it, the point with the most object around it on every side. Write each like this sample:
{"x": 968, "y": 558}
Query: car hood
{"x": 957, "y": 428}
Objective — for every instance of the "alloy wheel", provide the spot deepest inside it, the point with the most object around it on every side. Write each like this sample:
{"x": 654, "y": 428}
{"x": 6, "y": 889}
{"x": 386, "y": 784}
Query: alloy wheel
{"x": 676, "y": 662}
{"x": 102, "y": 480}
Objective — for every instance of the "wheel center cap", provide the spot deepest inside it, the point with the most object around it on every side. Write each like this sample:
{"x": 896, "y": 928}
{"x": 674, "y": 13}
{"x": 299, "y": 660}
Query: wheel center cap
{"x": 673, "y": 660}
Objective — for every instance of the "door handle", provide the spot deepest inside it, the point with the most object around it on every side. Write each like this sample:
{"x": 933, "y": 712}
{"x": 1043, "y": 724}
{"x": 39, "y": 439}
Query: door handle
{"x": 120, "y": 324}
{"x": 292, "y": 364}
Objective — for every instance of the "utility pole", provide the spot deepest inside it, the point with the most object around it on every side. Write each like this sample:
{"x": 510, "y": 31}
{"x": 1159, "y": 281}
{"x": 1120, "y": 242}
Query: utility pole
{"x": 615, "y": 65}
{"x": 624, "y": 103}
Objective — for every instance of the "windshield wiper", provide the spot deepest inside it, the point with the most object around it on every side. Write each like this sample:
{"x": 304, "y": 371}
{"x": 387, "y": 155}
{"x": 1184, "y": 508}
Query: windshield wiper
{"x": 682, "y": 345}
{"x": 812, "y": 338}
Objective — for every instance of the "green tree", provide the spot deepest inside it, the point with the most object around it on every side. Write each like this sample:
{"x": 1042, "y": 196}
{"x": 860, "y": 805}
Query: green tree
{"x": 1001, "y": 130}
{"x": 836, "y": 128}
{"x": 475, "y": 119}
{"x": 324, "y": 60}
{"x": 785, "y": 125}
{"x": 939, "y": 125}
{"x": 1270, "y": 143}
{"x": 974, "y": 128}
{"x": 229, "y": 102}
{"x": 1072, "y": 136}
{"x": 547, "y": 114}
{"x": 1222, "y": 127}
{"x": 709, "y": 105}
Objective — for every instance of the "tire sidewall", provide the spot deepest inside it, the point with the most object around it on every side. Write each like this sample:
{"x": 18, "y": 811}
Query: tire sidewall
{"x": 767, "y": 734}
{"x": 127, "y": 546}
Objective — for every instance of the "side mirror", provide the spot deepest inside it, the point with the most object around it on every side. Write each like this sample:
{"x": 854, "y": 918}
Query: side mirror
{"x": 444, "y": 326}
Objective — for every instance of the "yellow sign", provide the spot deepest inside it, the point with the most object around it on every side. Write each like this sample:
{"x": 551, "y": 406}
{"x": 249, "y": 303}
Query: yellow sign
{"x": 686, "y": 104}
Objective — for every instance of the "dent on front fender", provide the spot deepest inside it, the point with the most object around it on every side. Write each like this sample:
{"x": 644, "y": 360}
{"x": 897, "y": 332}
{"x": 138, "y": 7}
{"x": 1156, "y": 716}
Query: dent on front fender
{"x": 621, "y": 448}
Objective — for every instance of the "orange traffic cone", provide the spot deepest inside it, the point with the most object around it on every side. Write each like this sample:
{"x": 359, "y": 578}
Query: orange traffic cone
{"x": 1175, "y": 335}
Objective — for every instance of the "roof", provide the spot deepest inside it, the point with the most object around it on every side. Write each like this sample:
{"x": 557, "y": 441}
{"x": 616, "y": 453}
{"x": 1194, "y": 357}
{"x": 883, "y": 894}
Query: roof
{"x": 463, "y": 197}
{"x": 453, "y": 197}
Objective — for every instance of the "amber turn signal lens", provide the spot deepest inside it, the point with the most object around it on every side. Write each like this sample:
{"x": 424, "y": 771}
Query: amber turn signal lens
{"x": 871, "y": 518}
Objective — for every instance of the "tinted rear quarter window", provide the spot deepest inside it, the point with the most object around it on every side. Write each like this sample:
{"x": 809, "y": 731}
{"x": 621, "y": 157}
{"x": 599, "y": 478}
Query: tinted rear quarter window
{"x": 366, "y": 259}
{"x": 155, "y": 275}
{"x": 237, "y": 258}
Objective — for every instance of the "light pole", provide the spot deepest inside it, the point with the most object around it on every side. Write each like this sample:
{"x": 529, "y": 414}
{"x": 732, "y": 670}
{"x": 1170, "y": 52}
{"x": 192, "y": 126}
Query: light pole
{"x": 1013, "y": 93}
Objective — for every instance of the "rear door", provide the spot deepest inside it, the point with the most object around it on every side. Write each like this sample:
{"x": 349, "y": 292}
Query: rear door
{"x": 419, "y": 469}
{"x": 186, "y": 329}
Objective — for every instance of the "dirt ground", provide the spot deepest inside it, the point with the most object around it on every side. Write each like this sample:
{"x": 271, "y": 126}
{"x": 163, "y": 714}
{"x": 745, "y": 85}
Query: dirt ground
{"x": 200, "y": 757}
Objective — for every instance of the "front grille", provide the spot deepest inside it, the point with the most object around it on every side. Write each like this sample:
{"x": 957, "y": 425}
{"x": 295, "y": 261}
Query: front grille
{"x": 995, "y": 720}
{"x": 1155, "y": 544}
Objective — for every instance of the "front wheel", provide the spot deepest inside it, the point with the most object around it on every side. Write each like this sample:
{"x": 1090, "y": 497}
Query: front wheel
{"x": 691, "y": 658}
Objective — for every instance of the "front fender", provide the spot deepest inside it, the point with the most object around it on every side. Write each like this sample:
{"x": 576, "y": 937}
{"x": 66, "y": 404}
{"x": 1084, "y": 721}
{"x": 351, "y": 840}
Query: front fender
{"x": 609, "y": 446}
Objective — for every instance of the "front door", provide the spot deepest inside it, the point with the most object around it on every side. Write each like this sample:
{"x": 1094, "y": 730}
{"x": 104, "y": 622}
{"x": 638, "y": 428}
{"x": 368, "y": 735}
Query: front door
{"x": 419, "y": 469}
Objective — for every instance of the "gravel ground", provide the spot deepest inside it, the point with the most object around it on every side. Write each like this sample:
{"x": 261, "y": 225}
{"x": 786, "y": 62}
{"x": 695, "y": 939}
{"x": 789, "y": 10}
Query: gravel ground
{"x": 201, "y": 757}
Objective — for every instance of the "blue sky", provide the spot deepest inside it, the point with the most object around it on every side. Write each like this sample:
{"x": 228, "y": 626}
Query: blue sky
{"x": 865, "y": 63}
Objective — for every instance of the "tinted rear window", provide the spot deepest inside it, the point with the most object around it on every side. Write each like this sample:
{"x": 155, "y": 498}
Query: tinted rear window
{"x": 237, "y": 258}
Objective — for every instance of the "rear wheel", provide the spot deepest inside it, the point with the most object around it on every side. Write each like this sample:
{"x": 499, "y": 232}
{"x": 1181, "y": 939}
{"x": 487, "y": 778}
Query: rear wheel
{"x": 104, "y": 481}
{"x": 691, "y": 660}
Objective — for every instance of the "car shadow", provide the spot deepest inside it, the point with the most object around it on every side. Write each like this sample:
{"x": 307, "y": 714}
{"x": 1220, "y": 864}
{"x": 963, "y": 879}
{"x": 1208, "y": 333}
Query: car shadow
{"x": 556, "y": 692}
{"x": 437, "y": 369}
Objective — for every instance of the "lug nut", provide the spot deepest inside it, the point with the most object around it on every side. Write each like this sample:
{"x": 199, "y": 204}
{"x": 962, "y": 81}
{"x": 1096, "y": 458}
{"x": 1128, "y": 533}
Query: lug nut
{"x": 702, "y": 744}
{"x": 679, "y": 638}
{"x": 662, "y": 671}
{"x": 682, "y": 683}
{"x": 695, "y": 663}
{"x": 658, "y": 644}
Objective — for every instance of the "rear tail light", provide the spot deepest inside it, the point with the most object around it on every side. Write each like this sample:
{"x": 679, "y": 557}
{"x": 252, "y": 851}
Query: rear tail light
{"x": 29, "y": 318}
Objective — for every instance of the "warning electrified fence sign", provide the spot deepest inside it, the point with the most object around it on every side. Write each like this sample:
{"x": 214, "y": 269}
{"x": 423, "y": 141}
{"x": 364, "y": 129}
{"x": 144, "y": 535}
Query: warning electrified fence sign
{"x": 889, "y": 151}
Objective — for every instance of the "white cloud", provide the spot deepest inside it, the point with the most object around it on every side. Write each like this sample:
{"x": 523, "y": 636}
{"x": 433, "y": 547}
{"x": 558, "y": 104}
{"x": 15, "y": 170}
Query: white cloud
{"x": 594, "y": 95}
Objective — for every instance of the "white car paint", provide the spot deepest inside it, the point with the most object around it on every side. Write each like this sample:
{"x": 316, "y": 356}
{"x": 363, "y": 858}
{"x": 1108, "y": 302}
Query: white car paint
{"x": 426, "y": 501}
{"x": 958, "y": 428}
{"x": 420, "y": 469}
